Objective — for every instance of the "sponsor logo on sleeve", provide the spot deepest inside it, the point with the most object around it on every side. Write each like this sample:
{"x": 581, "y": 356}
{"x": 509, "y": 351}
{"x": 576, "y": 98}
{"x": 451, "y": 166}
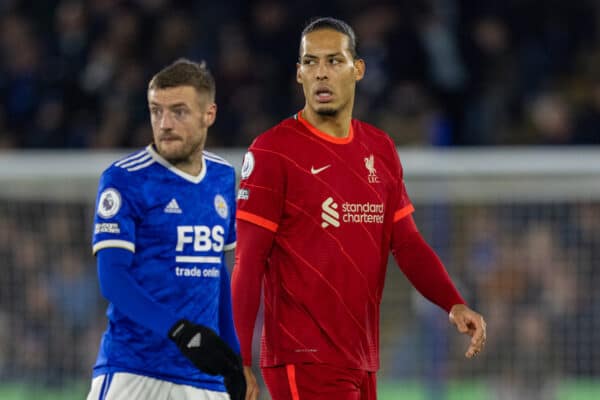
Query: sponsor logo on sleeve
{"x": 107, "y": 228}
{"x": 243, "y": 194}
{"x": 109, "y": 203}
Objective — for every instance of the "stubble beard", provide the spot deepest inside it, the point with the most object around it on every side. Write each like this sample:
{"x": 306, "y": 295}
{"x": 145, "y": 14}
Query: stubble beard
{"x": 184, "y": 155}
{"x": 327, "y": 112}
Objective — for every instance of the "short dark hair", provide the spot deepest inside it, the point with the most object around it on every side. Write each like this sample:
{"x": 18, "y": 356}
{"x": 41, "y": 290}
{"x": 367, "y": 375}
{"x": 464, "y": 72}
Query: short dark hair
{"x": 335, "y": 24}
{"x": 184, "y": 72}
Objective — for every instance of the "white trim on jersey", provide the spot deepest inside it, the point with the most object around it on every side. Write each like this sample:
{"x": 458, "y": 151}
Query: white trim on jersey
{"x": 137, "y": 161}
{"x": 141, "y": 166}
{"x": 229, "y": 246}
{"x": 136, "y": 155}
{"x": 159, "y": 159}
{"x": 122, "y": 244}
{"x": 198, "y": 259}
{"x": 213, "y": 157}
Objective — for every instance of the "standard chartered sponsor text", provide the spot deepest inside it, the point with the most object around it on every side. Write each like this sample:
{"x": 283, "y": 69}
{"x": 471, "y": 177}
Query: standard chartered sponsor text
{"x": 361, "y": 213}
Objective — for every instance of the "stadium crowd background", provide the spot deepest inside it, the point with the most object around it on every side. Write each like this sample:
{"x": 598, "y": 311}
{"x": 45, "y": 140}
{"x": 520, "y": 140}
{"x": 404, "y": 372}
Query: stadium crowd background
{"x": 73, "y": 75}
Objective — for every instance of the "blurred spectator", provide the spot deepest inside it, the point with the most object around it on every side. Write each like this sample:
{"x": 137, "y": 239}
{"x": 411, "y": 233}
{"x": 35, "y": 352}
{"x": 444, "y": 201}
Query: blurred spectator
{"x": 407, "y": 116}
{"x": 551, "y": 122}
{"x": 490, "y": 109}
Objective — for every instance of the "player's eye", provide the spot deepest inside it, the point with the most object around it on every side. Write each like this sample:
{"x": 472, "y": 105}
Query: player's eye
{"x": 179, "y": 112}
{"x": 155, "y": 112}
{"x": 309, "y": 61}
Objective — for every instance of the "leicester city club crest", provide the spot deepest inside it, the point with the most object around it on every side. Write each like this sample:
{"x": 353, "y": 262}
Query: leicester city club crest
{"x": 221, "y": 206}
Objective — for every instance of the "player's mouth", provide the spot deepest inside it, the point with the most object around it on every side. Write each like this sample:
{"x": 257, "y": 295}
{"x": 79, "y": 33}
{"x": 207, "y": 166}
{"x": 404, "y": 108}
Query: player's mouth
{"x": 169, "y": 138}
{"x": 323, "y": 95}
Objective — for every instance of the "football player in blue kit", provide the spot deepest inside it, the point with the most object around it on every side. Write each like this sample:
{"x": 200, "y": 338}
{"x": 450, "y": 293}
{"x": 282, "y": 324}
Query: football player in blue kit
{"x": 165, "y": 215}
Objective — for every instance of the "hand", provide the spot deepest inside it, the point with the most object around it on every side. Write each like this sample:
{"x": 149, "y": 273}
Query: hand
{"x": 252, "y": 386}
{"x": 471, "y": 323}
{"x": 205, "y": 349}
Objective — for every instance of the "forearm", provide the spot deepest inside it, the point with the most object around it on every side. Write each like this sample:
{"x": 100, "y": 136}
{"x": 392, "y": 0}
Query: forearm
{"x": 422, "y": 266}
{"x": 254, "y": 245}
{"x": 119, "y": 287}
{"x": 226, "y": 326}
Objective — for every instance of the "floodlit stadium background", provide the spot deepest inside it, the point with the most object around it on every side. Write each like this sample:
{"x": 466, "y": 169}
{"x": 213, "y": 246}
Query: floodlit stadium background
{"x": 496, "y": 109}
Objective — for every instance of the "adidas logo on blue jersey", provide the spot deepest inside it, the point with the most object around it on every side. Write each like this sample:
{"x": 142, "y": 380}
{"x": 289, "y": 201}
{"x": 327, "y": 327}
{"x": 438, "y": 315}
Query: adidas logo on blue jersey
{"x": 173, "y": 207}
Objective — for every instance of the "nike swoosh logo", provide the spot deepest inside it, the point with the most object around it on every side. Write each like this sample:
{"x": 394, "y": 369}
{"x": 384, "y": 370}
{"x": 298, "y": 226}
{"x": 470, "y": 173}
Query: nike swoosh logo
{"x": 315, "y": 171}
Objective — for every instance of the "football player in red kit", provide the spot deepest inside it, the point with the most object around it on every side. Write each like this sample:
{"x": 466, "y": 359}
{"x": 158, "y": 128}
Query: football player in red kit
{"x": 321, "y": 204}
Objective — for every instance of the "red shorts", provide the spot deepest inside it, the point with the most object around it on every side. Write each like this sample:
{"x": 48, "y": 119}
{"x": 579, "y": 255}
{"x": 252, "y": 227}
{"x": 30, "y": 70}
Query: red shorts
{"x": 319, "y": 382}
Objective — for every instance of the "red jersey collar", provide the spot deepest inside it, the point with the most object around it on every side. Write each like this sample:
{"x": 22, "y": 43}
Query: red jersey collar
{"x": 324, "y": 135}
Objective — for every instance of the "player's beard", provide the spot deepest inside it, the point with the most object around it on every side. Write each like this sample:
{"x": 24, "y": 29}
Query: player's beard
{"x": 327, "y": 112}
{"x": 185, "y": 154}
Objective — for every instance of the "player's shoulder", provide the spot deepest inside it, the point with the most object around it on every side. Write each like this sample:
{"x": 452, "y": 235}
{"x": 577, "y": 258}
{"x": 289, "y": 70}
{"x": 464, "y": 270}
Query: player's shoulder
{"x": 278, "y": 135}
{"x": 371, "y": 130}
{"x": 214, "y": 158}
{"x": 131, "y": 165}
{"x": 373, "y": 133}
{"x": 217, "y": 162}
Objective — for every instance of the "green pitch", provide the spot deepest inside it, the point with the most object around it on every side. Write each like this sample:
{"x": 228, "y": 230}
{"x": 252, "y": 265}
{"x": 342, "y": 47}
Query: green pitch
{"x": 568, "y": 390}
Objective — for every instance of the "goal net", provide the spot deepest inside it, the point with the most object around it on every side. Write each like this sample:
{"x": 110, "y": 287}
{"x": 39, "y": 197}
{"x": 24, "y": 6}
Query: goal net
{"x": 518, "y": 230}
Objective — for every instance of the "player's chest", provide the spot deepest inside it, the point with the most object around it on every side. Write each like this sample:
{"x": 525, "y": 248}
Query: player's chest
{"x": 167, "y": 213}
{"x": 357, "y": 176}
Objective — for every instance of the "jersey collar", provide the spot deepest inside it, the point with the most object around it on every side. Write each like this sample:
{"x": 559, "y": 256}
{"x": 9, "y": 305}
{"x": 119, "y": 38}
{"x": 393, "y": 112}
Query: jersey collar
{"x": 159, "y": 159}
{"x": 324, "y": 135}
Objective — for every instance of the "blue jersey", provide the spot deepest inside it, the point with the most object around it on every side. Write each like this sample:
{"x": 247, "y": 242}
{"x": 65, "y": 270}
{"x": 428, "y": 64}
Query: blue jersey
{"x": 178, "y": 227}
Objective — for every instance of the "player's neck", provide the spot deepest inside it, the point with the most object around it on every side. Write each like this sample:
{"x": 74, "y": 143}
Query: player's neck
{"x": 191, "y": 165}
{"x": 337, "y": 126}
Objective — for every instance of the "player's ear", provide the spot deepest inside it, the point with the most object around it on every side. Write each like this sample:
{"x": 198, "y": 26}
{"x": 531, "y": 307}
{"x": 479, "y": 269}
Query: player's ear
{"x": 211, "y": 114}
{"x": 359, "y": 68}
{"x": 298, "y": 75}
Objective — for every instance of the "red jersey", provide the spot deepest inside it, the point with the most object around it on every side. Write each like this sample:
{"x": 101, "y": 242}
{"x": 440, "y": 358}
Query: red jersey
{"x": 331, "y": 203}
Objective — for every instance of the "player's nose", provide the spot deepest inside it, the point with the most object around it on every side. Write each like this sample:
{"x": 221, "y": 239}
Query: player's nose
{"x": 322, "y": 71}
{"x": 166, "y": 122}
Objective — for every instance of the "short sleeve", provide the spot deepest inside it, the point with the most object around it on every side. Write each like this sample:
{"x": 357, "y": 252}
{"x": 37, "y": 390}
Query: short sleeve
{"x": 114, "y": 218}
{"x": 262, "y": 187}
{"x": 403, "y": 206}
